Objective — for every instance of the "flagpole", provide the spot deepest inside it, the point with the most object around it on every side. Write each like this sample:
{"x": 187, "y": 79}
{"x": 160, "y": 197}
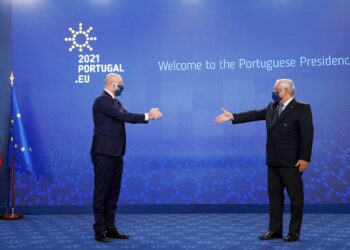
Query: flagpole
{"x": 13, "y": 215}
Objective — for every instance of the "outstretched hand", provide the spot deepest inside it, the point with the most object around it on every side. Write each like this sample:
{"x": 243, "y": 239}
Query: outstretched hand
{"x": 224, "y": 117}
{"x": 155, "y": 114}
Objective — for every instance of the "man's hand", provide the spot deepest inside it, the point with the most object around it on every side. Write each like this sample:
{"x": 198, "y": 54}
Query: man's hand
{"x": 224, "y": 117}
{"x": 154, "y": 114}
{"x": 302, "y": 165}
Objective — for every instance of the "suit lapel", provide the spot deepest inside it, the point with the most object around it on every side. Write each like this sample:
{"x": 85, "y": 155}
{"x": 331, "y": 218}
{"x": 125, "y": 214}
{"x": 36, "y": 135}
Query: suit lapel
{"x": 286, "y": 111}
{"x": 271, "y": 118}
{"x": 114, "y": 101}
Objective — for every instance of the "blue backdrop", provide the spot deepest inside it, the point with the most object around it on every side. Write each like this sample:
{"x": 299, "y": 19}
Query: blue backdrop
{"x": 222, "y": 52}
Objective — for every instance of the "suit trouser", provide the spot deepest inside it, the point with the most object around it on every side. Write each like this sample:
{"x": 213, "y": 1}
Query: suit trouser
{"x": 107, "y": 182}
{"x": 291, "y": 179}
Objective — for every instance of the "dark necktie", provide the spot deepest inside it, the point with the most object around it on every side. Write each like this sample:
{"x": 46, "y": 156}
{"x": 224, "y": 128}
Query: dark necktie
{"x": 279, "y": 109}
{"x": 277, "y": 113}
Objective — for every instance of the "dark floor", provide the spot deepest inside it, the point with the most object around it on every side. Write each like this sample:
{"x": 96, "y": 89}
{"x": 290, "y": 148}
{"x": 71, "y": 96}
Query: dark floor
{"x": 172, "y": 231}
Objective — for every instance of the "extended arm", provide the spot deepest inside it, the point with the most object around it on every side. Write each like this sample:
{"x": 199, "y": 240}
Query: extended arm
{"x": 249, "y": 116}
{"x": 104, "y": 106}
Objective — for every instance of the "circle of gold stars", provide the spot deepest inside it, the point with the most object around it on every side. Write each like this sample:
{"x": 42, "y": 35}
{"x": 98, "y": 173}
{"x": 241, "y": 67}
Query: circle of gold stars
{"x": 18, "y": 115}
{"x": 85, "y": 33}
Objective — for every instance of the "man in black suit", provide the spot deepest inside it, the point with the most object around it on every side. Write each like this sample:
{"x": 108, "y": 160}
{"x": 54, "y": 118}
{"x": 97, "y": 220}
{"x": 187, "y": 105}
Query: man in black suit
{"x": 288, "y": 153}
{"x": 107, "y": 151}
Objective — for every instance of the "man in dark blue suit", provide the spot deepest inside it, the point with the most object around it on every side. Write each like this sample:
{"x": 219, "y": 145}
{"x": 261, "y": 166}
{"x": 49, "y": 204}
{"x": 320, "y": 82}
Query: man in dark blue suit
{"x": 288, "y": 153}
{"x": 107, "y": 151}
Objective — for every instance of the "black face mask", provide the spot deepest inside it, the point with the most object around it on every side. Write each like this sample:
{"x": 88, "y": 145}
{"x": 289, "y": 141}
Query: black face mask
{"x": 119, "y": 90}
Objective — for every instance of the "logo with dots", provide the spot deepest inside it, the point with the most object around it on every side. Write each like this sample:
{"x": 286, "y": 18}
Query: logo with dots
{"x": 80, "y": 38}
{"x": 88, "y": 63}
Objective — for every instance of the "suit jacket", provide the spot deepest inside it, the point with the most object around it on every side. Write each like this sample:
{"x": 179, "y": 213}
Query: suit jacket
{"x": 290, "y": 137}
{"x": 109, "y": 126}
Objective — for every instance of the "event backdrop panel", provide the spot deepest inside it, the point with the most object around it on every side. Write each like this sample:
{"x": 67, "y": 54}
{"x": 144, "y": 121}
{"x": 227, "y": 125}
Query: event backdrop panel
{"x": 189, "y": 58}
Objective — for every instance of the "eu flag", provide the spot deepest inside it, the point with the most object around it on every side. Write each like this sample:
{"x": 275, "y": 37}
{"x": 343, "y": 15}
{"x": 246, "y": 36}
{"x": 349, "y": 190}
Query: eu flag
{"x": 19, "y": 147}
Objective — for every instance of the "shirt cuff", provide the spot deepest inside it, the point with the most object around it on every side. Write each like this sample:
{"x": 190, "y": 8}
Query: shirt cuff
{"x": 146, "y": 117}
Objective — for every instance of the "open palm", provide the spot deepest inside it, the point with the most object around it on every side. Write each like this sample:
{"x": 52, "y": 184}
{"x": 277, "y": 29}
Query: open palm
{"x": 224, "y": 117}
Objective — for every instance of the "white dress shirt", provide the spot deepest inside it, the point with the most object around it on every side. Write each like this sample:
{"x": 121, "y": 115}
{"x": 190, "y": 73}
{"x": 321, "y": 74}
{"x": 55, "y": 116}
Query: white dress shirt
{"x": 285, "y": 104}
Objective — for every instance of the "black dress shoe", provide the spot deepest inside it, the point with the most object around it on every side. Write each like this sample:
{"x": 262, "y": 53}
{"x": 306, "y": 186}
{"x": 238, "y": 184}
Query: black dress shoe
{"x": 270, "y": 235}
{"x": 116, "y": 234}
{"x": 291, "y": 237}
{"x": 101, "y": 237}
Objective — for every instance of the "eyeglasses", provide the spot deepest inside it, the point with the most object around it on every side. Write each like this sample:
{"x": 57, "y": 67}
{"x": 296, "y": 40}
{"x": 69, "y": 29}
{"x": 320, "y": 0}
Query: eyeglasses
{"x": 277, "y": 91}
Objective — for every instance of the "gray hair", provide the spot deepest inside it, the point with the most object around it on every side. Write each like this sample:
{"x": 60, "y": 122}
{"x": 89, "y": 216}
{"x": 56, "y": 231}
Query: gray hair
{"x": 287, "y": 84}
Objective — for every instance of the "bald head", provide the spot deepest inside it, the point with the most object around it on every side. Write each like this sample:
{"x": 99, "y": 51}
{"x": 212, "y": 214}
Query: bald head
{"x": 112, "y": 81}
{"x": 113, "y": 78}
